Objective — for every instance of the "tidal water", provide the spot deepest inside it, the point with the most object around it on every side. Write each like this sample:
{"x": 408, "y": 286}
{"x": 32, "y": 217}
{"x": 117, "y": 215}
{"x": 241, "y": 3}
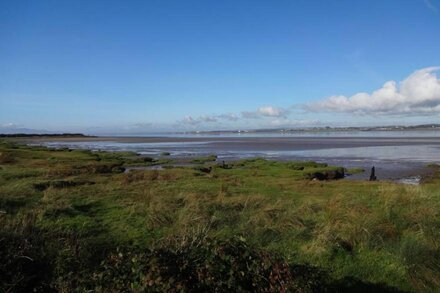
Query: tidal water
{"x": 395, "y": 155}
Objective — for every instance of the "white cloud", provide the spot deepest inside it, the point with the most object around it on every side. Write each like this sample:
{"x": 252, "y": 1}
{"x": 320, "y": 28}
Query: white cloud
{"x": 418, "y": 94}
{"x": 10, "y": 125}
{"x": 220, "y": 119}
{"x": 284, "y": 122}
{"x": 228, "y": 117}
{"x": 141, "y": 125}
{"x": 190, "y": 120}
{"x": 267, "y": 111}
{"x": 208, "y": 119}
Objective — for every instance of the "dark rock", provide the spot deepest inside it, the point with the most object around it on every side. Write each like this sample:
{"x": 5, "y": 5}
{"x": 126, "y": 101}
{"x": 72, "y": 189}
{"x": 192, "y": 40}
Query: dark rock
{"x": 327, "y": 175}
{"x": 147, "y": 159}
{"x": 373, "y": 174}
{"x": 118, "y": 169}
{"x": 204, "y": 169}
{"x": 297, "y": 168}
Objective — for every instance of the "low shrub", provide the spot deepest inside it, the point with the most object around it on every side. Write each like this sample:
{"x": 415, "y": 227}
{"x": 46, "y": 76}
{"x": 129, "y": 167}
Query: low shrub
{"x": 211, "y": 266}
{"x": 336, "y": 173}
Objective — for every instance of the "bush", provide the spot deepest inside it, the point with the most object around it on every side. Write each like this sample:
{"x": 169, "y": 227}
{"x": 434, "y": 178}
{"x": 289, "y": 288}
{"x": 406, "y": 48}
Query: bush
{"x": 337, "y": 173}
{"x": 211, "y": 266}
{"x": 35, "y": 260}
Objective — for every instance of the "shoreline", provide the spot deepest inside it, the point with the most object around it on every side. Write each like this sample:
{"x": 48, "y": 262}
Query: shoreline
{"x": 349, "y": 152}
{"x": 255, "y": 143}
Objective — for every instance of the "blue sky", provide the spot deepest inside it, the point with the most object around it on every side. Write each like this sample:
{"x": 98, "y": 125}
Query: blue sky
{"x": 141, "y": 66}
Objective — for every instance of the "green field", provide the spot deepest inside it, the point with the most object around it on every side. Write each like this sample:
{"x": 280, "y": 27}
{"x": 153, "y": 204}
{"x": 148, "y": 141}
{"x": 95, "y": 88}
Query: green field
{"x": 74, "y": 221}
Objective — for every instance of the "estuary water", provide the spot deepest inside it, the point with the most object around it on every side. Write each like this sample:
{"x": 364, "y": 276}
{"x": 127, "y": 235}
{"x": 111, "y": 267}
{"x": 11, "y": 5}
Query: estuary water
{"x": 395, "y": 155}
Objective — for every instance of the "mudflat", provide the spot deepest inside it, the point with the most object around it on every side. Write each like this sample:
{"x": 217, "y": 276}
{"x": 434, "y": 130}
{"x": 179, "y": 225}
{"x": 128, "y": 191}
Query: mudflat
{"x": 255, "y": 143}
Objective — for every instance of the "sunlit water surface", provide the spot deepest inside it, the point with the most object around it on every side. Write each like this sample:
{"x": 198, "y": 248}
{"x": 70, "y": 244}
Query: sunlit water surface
{"x": 402, "y": 162}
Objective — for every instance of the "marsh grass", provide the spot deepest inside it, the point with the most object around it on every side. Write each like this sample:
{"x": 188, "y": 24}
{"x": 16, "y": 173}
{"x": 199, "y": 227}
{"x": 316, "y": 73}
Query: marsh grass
{"x": 377, "y": 232}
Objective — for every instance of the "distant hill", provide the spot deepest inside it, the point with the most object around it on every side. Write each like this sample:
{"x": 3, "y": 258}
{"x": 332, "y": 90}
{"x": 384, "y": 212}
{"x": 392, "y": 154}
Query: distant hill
{"x": 326, "y": 129}
{"x": 44, "y": 135}
{"x": 11, "y": 129}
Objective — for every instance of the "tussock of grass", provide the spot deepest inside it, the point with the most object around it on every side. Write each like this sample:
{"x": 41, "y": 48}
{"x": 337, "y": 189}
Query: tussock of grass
{"x": 7, "y": 157}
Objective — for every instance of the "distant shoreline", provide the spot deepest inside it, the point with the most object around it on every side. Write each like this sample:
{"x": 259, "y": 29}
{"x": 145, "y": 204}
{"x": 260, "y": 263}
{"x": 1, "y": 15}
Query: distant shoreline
{"x": 244, "y": 142}
{"x": 263, "y": 131}
{"x": 232, "y": 148}
{"x": 26, "y": 135}
{"x": 326, "y": 129}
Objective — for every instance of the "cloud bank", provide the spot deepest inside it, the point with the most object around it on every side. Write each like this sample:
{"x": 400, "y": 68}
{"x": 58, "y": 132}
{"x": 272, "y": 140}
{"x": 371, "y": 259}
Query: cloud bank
{"x": 267, "y": 111}
{"x": 207, "y": 119}
{"x": 418, "y": 94}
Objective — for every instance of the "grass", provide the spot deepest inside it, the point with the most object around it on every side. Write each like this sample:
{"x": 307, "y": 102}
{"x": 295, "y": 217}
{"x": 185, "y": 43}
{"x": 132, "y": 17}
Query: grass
{"x": 73, "y": 210}
{"x": 201, "y": 160}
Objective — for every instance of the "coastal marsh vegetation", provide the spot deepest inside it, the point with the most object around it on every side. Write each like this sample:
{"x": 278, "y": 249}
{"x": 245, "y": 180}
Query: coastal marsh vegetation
{"x": 74, "y": 219}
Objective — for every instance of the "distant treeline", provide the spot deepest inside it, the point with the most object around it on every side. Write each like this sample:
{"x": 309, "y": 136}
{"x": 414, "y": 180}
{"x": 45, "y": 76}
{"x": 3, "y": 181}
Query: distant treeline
{"x": 44, "y": 135}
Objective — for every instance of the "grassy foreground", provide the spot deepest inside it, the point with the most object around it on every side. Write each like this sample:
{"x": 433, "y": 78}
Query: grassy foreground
{"x": 74, "y": 221}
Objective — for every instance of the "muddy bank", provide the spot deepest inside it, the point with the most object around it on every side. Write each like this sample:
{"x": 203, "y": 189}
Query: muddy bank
{"x": 251, "y": 143}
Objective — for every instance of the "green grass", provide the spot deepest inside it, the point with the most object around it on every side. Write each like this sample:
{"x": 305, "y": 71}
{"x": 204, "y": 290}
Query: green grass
{"x": 201, "y": 160}
{"x": 375, "y": 232}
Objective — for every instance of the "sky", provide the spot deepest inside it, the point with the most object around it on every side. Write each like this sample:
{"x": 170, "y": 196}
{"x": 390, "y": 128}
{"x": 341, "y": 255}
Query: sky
{"x": 151, "y": 66}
